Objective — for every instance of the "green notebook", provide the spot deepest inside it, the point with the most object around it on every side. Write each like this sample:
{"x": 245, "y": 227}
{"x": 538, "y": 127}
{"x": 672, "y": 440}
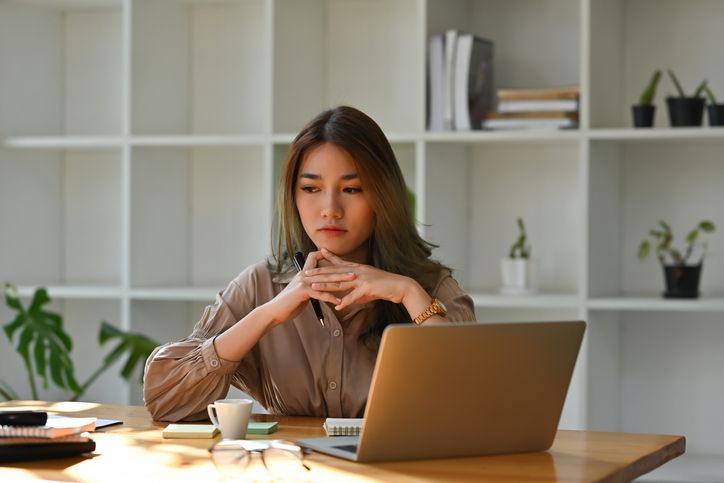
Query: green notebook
{"x": 261, "y": 428}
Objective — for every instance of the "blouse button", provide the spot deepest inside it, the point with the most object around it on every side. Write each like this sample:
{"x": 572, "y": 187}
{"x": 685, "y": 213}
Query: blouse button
{"x": 332, "y": 385}
{"x": 336, "y": 332}
{"x": 214, "y": 363}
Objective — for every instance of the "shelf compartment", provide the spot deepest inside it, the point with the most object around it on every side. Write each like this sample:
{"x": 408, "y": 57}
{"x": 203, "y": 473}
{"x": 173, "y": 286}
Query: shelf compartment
{"x": 69, "y": 231}
{"x": 552, "y": 26}
{"x": 475, "y": 192}
{"x": 630, "y": 39}
{"x": 199, "y": 215}
{"x": 200, "y": 67}
{"x": 636, "y": 185}
{"x": 61, "y": 83}
{"x": 324, "y": 56}
{"x": 653, "y": 373}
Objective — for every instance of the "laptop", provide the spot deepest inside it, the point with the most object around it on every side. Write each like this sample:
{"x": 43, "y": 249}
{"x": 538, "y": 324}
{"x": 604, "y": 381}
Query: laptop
{"x": 468, "y": 389}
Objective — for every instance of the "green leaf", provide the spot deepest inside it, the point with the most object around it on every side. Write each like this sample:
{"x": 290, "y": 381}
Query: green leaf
{"x": 107, "y": 332}
{"x": 51, "y": 345}
{"x": 709, "y": 94}
{"x": 674, "y": 79}
{"x": 11, "y": 297}
{"x": 692, "y": 236}
{"x": 644, "y": 249}
{"x": 130, "y": 365}
{"x": 56, "y": 372}
{"x": 40, "y": 298}
{"x": 647, "y": 96}
{"x": 23, "y": 346}
{"x": 706, "y": 226}
{"x": 40, "y": 366}
{"x": 137, "y": 346}
{"x": 14, "y": 325}
{"x": 700, "y": 89}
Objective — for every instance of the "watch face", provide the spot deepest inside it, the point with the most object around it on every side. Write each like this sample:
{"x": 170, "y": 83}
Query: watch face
{"x": 442, "y": 306}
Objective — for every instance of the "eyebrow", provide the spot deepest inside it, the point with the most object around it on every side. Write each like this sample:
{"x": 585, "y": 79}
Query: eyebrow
{"x": 317, "y": 177}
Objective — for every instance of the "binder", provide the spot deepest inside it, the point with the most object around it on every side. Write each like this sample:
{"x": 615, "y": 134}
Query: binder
{"x": 27, "y": 449}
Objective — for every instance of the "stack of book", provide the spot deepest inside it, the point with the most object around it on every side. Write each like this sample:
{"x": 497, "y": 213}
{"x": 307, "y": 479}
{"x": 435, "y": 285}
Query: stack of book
{"x": 30, "y": 435}
{"x": 460, "y": 81}
{"x": 553, "y": 108}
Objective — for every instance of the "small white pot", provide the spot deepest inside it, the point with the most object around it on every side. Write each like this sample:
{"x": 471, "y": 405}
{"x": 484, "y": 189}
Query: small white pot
{"x": 517, "y": 275}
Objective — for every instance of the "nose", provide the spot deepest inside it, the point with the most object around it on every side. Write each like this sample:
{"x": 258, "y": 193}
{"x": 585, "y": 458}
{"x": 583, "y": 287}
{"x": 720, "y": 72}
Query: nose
{"x": 331, "y": 207}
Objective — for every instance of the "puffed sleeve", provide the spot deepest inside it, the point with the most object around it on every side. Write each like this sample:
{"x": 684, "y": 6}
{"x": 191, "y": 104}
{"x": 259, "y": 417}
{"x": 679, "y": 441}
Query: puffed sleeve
{"x": 460, "y": 307}
{"x": 182, "y": 378}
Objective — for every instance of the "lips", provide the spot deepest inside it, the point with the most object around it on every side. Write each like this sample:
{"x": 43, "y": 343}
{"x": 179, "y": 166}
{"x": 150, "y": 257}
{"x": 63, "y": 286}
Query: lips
{"x": 332, "y": 230}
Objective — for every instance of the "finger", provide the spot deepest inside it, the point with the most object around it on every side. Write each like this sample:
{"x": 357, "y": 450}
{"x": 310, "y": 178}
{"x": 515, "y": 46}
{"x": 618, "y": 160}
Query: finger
{"x": 333, "y": 286}
{"x": 350, "y": 298}
{"x": 335, "y": 259}
{"x": 324, "y": 296}
{"x": 328, "y": 277}
{"x": 312, "y": 259}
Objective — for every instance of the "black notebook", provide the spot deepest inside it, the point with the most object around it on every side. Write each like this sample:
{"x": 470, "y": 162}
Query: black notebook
{"x": 24, "y": 449}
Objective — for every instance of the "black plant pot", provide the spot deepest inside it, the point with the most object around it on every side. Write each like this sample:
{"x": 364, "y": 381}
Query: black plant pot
{"x": 716, "y": 114}
{"x": 682, "y": 281}
{"x": 685, "y": 111}
{"x": 643, "y": 115}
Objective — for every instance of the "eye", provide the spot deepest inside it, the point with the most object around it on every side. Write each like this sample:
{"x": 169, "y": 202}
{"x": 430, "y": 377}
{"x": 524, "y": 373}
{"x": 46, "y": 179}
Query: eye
{"x": 309, "y": 189}
{"x": 352, "y": 189}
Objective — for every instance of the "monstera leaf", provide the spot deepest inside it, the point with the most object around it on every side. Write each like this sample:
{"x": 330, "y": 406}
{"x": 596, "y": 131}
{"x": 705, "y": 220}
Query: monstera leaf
{"x": 44, "y": 346}
{"x": 41, "y": 341}
{"x": 138, "y": 347}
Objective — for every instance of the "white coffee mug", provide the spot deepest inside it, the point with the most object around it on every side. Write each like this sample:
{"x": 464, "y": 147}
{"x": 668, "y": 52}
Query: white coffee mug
{"x": 231, "y": 416}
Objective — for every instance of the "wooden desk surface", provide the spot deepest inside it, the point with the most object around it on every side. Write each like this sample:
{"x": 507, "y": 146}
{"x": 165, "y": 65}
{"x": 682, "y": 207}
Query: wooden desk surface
{"x": 135, "y": 452}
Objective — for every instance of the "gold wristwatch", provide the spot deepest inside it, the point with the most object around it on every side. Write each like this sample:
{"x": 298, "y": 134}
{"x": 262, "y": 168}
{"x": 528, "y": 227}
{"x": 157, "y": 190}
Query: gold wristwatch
{"x": 435, "y": 308}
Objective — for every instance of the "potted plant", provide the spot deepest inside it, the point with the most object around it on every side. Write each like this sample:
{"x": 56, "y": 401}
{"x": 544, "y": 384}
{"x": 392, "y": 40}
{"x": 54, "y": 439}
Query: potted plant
{"x": 715, "y": 110}
{"x": 682, "y": 278}
{"x": 683, "y": 110}
{"x": 643, "y": 112}
{"x": 46, "y": 349}
{"x": 517, "y": 268}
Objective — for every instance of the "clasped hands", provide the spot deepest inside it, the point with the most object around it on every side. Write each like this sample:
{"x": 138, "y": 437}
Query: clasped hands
{"x": 329, "y": 278}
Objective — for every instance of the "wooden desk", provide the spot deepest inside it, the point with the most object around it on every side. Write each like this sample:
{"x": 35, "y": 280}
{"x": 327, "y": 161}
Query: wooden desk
{"x": 135, "y": 452}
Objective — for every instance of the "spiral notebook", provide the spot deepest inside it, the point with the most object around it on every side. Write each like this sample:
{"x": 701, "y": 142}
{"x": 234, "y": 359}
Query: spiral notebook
{"x": 55, "y": 427}
{"x": 343, "y": 426}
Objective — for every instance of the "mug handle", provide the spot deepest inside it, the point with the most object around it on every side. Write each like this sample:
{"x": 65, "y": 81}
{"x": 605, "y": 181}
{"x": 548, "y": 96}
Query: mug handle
{"x": 212, "y": 414}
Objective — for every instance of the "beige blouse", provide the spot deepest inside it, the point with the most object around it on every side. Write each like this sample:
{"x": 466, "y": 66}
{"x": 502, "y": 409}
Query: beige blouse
{"x": 297, "y": 368}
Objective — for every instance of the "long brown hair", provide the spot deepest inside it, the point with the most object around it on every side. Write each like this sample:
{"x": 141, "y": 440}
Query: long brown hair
{"x": 395, "y": 245}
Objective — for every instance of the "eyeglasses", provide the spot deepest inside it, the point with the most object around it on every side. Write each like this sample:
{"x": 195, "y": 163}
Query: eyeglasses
{"x": 281, "y": 458}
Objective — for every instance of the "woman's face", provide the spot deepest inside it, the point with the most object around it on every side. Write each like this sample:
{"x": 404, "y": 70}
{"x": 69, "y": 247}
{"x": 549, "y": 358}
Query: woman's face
{"x": 333, "y": 206}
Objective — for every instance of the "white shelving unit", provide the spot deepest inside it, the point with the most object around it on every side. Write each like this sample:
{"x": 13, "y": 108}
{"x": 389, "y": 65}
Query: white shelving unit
{"x": 140, "y": 141}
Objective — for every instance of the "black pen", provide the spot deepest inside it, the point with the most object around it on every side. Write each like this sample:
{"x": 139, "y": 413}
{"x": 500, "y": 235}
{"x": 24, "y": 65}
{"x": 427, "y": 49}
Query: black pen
{"x": 299, "y": 263}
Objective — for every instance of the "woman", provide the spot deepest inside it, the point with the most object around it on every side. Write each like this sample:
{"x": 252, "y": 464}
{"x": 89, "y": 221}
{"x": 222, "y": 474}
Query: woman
{"x": 342, "y": 201}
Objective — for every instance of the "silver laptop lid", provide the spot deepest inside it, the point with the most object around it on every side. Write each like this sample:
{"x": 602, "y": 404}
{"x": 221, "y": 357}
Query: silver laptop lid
{"x": 468, "y": 389}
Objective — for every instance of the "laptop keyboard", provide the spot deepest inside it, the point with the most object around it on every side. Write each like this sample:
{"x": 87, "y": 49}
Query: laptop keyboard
{"x": 352, "y": 448}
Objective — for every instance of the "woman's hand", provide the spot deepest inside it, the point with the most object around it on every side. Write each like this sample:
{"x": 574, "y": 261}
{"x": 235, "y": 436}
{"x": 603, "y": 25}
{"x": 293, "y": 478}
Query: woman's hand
{"x": 292, "y": 300}
{"x": 364, "y": 283}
